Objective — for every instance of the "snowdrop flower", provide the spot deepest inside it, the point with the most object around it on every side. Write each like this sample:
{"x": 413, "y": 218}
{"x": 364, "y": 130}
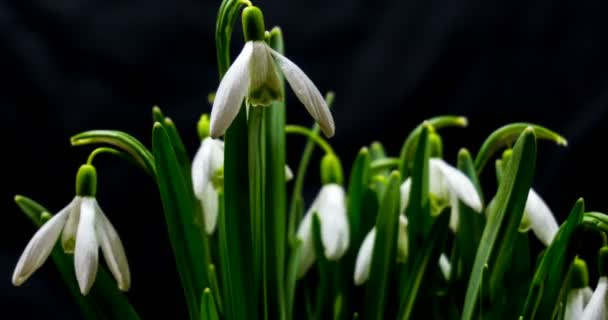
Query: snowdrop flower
{"x": 596, "y": 309}
{"x": 253, "y": 75}
{"x": 445, "y": 266}
{"x": 366, "y": 251}
{"x": 83, "y": 228}
{"x": 580, "y": 293}
{"x": 330, "y": 207}
{"x": 207, "y": 171}
{"x": 449, "y": 185}
{"x": 538, "y": 217}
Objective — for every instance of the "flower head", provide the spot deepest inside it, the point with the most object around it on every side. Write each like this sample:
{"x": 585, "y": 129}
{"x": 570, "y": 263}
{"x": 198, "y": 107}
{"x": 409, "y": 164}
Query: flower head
{"x": 597, "y": 308}
{"x": 330, "y": 207}
{"x": 253, "y": 75}
{"x": 538, "y": 217}
{"x": 449, "y": 186}
{"x": 83, "y": 228}
{"x": 206, "y": 179}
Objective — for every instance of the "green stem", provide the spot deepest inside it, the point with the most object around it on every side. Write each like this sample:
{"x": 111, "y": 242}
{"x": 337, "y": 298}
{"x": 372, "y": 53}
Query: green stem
{"x": 313, "y": 136}
{"x": 105, "y": 150}
{"x": 386, "y": 163}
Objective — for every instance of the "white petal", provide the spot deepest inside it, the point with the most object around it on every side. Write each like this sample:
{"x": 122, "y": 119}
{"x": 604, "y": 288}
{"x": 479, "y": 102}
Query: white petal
{"x": 113, "y": 250}
{"x": 541, "y": 218}
{"x": 334, "y": 223}
{"x": 288, "y": 173}
{"x": 402, "y": 240}
{"x": 40, "y": 246}
{"x": 587, "y": 294}
{"x": 596, "y": 309}
{"x": 404, "y": 190}
{"x": 87, "y": 247}
{"x": 575, "y": 304}
{"x": 210, "y": 208}
{"x": 308, "y": 94}
{"x": 445, "y": 266}
{"x": 208, "y": 160}
{"x": 364, "y": 258}
{"x": 307, "y": 249}
{"x": 68, "y": 236}
{"x": 230, "y": 93}
{"x": 458, "y": 184}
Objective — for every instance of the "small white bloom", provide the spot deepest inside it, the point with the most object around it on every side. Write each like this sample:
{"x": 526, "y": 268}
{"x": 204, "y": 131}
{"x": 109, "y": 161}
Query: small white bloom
{"x": 445, "y": 266}
{"x": 288, "y": 173}
{"x": 597, "y": 308}
{"x": 365, "y": 254}
{"x": 449, "y": 185}
{"x": 538, "y": 217}
{"x": 576, "y": 301}
{"x": 207, "y": 164}
{"x": 85, "y": 228}
{"x": 253, "y": 75}
{"x": 330, "y": 207}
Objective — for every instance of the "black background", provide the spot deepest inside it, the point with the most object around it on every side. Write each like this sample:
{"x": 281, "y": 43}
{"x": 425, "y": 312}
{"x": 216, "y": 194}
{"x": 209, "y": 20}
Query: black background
{"x": 70, "y": 66}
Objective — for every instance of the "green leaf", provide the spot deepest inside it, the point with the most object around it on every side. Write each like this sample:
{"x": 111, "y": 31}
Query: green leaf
{"x": 418, "y": 210}
{"x": 510, "y": 199}
{"x": 208, "y": 308}
{"x": 425, "y": 261}
{"x": 506, "y": 135}
{"x": 357, "y": 185}
{"x": 123, "y": 141}
{"x": 186, "y": 238}
{"x": 549, "y": 275}
{"x": 384, "y": 252}
{"x": 409, "y": 146}
{"x": 104, "y": 301}
{"x": 291, "y": 277}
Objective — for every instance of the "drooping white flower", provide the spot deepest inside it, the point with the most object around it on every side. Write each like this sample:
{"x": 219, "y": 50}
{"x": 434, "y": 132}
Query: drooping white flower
{"x": 330, "y": 207}
{"x": 538, "y": 217}
{"x": 576, "y": 301}
{"x": 597, "y": 308}
{"x": 206, "y": 167}
{"x": 83, "y": 228}
{"x": 449, "y": 185}
{"x": 253, "y": 75}
{"x": 364, "y": 256}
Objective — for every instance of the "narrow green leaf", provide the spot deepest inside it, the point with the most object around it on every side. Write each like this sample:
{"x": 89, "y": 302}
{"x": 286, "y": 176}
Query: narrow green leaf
{"x": 418, "y": 210}
{"x": 123, "y": 141}
{"x": 104, "y": 301}
{"x": 506, "y": 136}
{"x": 409, "y": 146}
{"x": 384, "y": 252}
{"x": 357, "y": 184}
{"x": 510, "y": 199}
{"x": 425, "y": 262}
{"x": 185, "y": 236}
{"x": 549, "y": 275}
{"x": 208, "y": 308}
{"x": 291, "y": 278}
{"x": 215, "y": 287}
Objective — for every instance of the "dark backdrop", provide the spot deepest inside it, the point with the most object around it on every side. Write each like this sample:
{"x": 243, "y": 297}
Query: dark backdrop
{"x": 69, "y": 66}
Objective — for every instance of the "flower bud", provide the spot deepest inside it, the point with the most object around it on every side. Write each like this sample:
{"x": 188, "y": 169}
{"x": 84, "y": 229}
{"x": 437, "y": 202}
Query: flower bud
{"x": 202, "y": 127}
{"x": 86, "y": 181}
{"x": 436, "y": 145}
{"x": 580, "y": 275}
{"x": 253, "y": 24}
{"x": 331, "y": 170}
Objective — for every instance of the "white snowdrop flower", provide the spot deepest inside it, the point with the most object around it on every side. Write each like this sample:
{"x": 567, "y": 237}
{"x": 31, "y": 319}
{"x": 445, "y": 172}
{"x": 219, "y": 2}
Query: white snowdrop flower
{"x": 576, "y": 301}
{"x": 597, "y": 307}
{"x": 253, "y": 75}
{"x": 364, "y": 256}
{"x": 83, "y": 228}
{"x": 449, "y": 185}
{"x": 207, "y": 179}
{"x": 288, "y": 173}
{"x": 330, "y": 207}
{"x": 445, "y": 266}
{"x": 538, "y": 217}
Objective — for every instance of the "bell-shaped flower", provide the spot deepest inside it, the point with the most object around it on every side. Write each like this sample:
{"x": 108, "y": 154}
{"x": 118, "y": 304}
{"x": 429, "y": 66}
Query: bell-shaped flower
{"x": 207, "y": 171}
{"x": 83, "y": 228}
{"x": 538, "y": 217}
{"x": 576, "y": 301}
{"x": 330, "y": 207}
{"x": 254, "y": 76}
{"x": 364, "y": 256}
{"x": 448, "y": 186}
{"x": 597, "y": 308}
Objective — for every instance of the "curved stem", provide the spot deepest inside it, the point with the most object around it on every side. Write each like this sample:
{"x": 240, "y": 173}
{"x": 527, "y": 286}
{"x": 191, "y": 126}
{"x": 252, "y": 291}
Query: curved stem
{"x": 105, "y": 150}
{"x": 303, "y": 131}
{"x": 386, "y": 163}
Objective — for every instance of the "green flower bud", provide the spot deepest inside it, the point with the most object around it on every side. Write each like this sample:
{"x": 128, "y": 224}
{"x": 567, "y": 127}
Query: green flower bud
{"x": 331, "y": 170}
{"x": 602, "y": 260}
{"x": 86, "y": 181}
{"x": 580, "y": 275}
{"x": 253, "y": 24}
{"x": 436, "y": 145}
{"x": 202, "y": 127}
